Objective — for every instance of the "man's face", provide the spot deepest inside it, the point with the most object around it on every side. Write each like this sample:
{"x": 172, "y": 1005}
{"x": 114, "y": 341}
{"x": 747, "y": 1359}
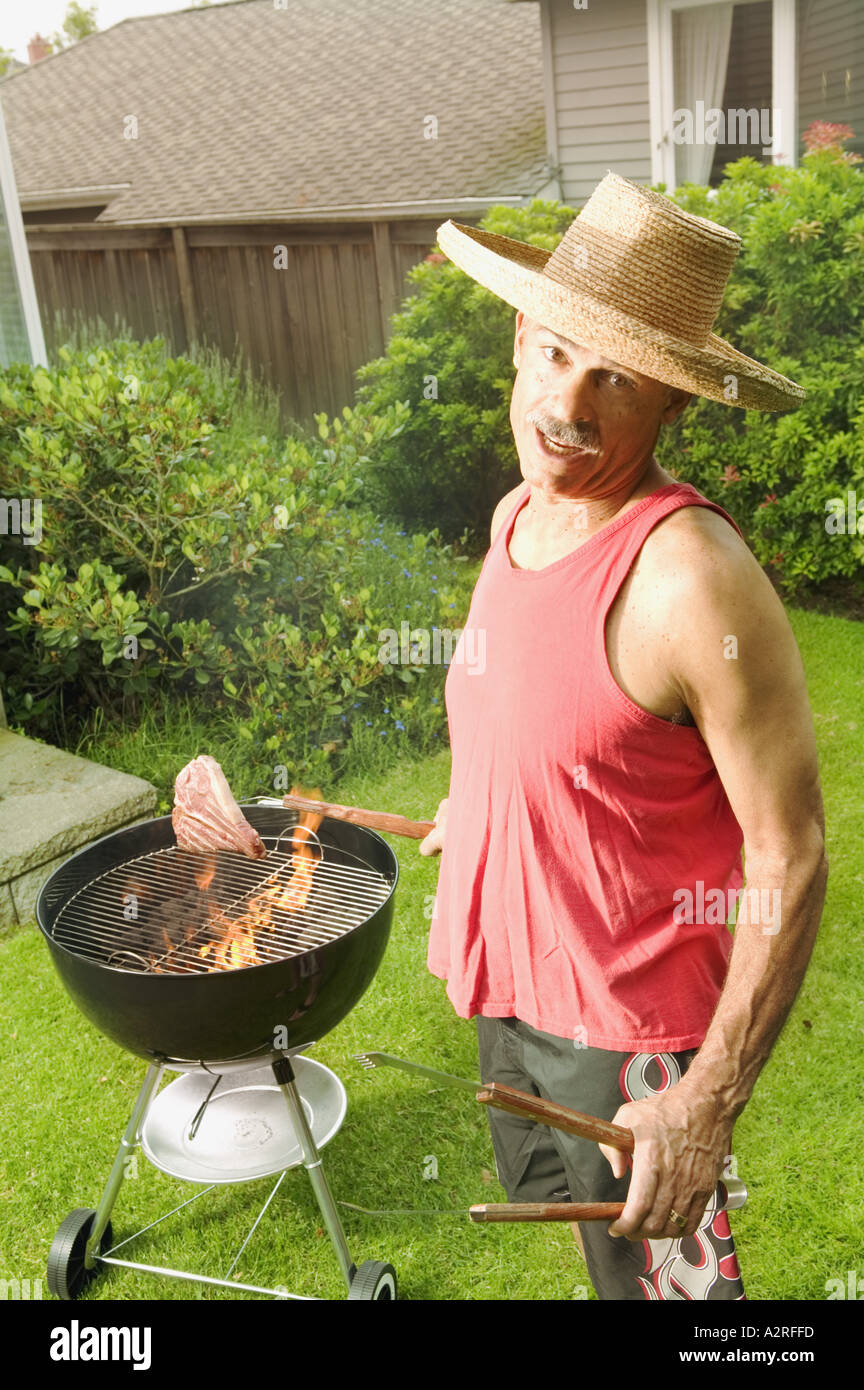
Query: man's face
{"x": 607, "y": 416}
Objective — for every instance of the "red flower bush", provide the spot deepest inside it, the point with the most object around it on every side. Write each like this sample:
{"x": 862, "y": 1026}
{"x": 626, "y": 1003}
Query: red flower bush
{"x": 830, "y": 135}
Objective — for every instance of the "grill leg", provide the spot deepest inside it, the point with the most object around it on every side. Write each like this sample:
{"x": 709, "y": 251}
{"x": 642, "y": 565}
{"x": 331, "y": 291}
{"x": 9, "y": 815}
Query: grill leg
{"x": 284, "y": 1073}
{"x": 128, "y": 1145}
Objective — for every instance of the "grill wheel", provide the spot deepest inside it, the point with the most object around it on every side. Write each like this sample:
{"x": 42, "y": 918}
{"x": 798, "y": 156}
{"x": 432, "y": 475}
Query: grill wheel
{"x": 68, "y": 1276}
{"x": 374, "y": 1282}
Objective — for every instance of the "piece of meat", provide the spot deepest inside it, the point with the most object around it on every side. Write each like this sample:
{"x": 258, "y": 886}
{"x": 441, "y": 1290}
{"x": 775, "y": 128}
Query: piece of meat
{"x": 205, "y": 814}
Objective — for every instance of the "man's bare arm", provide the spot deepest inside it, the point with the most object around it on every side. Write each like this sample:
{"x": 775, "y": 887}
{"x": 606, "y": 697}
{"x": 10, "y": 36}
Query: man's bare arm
{"x": 749, "y": 699}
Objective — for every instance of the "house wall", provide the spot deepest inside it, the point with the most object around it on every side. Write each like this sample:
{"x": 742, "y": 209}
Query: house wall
{"x": 831, "y": 65}
{"x": 305, "y": 328}
{"x": 600, "y": 93}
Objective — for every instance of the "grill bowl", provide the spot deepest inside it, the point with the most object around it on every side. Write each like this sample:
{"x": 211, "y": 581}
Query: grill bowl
{"x": 220, "y": 1016}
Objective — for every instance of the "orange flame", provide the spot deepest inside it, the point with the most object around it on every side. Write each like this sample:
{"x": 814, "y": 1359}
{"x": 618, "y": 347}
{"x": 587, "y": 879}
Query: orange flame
{"x": 305, "y": 851}
{"x": 204, "y": 874}
{"x": 239, "y": 943}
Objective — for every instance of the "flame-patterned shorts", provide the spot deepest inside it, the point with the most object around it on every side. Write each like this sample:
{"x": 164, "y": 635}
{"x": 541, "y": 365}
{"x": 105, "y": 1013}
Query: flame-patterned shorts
{"x": 538, "y": 1164}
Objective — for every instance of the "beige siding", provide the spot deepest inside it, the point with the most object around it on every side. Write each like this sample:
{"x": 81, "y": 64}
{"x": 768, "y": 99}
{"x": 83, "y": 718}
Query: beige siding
{"x": 600, "y": 89}
{"x": 831, "y": 65}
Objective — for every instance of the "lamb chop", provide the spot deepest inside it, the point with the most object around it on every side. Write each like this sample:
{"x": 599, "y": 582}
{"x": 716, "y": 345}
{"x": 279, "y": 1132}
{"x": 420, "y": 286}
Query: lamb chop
{"x": 206, "y": 816}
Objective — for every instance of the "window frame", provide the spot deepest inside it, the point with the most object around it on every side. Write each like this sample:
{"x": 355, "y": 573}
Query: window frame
{"x": 784, "y": 80}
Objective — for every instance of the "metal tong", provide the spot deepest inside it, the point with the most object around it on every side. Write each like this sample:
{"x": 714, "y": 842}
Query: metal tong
{"x": 543, "y": 1112}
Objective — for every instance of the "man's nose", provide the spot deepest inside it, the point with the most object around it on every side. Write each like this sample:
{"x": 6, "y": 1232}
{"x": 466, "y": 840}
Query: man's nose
{"x": 574, "y": 397}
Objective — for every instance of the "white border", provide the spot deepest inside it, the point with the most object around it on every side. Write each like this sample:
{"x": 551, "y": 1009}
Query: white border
{"x": 20, "y": 254}
{"x": 784, "y": 79}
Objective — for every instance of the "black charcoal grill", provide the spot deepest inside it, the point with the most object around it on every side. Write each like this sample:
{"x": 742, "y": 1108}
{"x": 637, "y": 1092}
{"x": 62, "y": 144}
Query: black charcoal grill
{"x": 216, "y": 964}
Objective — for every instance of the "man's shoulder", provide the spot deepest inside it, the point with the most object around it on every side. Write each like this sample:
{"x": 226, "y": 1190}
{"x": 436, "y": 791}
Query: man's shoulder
{"x": 693, "y": 564}
{"x": 694, "y": 540}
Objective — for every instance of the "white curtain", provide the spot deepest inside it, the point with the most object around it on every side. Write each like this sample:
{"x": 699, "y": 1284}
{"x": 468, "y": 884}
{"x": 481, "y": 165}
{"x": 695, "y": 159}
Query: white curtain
{"x": 701, "y": 55}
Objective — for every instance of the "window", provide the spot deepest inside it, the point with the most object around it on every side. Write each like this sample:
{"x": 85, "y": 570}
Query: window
{"x": 723, "y": 84}
{"x": 747, "y": 90}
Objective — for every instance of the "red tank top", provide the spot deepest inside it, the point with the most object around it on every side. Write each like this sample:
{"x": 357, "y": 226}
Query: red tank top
{"x": 575, "y": 816}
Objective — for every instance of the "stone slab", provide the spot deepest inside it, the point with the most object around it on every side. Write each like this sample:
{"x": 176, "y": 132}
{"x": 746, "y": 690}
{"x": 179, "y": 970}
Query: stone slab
{"x": 53, "y": 802}
{"x": 18, "y": 897}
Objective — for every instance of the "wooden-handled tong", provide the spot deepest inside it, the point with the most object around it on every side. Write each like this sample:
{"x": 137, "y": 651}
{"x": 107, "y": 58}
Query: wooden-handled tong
{"x": 546, "y": 1211}
{"x": 547, "y": 1112}
{"x": 543, "y": 1112}
{"x": 356, "y": 815}
{"x": 557, "y": 1116}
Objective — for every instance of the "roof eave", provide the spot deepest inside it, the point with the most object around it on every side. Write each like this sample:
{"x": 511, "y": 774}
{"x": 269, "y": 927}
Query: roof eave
{"x": 86, "y": 195}
{"x": 437, "y": 207}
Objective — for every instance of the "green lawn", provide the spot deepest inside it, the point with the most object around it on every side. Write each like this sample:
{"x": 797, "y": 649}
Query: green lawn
{"x": 67, "y": 1093}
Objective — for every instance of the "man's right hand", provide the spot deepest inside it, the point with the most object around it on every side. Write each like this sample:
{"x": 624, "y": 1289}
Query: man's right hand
{"x": 434, "y": 842}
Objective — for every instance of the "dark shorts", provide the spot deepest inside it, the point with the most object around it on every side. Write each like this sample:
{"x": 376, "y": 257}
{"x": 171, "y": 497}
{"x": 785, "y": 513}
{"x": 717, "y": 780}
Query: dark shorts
{"x": 538, "y": 1164}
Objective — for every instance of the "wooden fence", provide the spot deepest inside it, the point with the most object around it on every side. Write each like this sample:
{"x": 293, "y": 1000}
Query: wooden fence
{"x": 305, "y": 317}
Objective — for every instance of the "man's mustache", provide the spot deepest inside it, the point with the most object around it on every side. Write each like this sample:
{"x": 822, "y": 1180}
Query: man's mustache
{"x": 570, "y": 436}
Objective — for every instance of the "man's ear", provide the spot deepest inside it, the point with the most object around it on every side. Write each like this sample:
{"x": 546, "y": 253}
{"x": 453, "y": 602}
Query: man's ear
{"x": 522, "y": 323}
{"x": 676, "y": 402}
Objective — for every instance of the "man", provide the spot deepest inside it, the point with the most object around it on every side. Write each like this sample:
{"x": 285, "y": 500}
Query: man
{"x": 640, "y": 715}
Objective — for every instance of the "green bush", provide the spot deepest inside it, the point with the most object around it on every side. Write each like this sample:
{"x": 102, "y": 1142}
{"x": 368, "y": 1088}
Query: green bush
{"x": 796, "y": 302}
{"x": 450, "y": 361}
{"x": 179, "y": 553}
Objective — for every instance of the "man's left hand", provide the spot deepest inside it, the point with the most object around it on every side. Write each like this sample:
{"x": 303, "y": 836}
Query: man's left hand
{"x": 682, "y": 1143}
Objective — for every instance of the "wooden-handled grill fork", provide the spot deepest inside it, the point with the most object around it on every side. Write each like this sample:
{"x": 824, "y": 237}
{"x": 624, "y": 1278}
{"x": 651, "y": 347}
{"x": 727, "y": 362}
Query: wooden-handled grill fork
{"x": 544, "y": 1112}
{"x": 357, "y": 815}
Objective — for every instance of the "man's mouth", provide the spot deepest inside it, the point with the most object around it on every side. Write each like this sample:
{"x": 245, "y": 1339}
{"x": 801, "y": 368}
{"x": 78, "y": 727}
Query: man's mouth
{"x": 554, "y": 448}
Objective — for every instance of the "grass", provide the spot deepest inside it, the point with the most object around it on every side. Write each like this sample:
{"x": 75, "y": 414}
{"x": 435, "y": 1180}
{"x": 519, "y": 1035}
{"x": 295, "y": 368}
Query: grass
{"x": 68, "y": 1092}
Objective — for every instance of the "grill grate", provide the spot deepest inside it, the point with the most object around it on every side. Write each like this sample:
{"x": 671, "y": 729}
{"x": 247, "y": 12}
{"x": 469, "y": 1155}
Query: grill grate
{"x": 152, "y": 914}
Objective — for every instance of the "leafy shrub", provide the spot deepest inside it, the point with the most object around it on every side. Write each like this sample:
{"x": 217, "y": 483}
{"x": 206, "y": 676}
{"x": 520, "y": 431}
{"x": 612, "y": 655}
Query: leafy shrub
{"x": 795, "y": 301}
{"x": 178, "y": 553}
{"x": 450, "y": 360}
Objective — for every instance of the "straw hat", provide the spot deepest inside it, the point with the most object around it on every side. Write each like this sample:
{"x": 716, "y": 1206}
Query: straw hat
{"x": 638, "y": 280}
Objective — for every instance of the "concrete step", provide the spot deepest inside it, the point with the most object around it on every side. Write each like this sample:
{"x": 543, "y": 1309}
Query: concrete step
{"x": 51, "y": 804}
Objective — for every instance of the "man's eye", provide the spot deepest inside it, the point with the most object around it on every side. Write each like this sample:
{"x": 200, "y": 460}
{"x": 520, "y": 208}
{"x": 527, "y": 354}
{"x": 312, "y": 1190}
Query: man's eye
{"x": 619, "y": 379}
{"x": 550, "y": 347}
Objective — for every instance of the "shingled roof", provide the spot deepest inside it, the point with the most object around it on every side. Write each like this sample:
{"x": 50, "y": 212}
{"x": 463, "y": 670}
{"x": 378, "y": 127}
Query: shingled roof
{"x": 246, "y": 112}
